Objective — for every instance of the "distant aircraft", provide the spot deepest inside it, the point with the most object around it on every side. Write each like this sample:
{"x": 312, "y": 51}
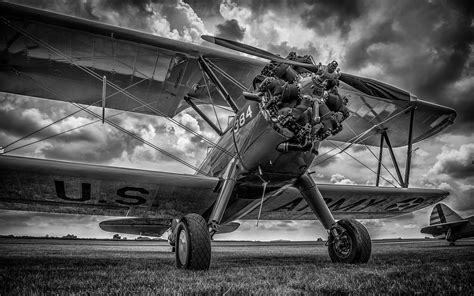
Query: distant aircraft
{"x": 447, "y": 224}
{"x": 260, "y": 166}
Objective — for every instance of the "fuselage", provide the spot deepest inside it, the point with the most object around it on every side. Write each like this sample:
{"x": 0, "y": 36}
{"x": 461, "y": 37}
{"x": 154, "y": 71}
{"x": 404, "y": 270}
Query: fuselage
{"x": 253, "y": 138}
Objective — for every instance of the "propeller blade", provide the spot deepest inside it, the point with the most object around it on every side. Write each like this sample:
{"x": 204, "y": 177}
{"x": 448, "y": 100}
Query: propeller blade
{"x": 244, "y": 48}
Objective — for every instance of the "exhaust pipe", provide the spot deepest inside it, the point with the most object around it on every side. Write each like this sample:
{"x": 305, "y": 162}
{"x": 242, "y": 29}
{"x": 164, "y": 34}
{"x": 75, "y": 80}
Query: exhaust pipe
{"x": 252, "y": 96}
{"x": 286, "y": 146}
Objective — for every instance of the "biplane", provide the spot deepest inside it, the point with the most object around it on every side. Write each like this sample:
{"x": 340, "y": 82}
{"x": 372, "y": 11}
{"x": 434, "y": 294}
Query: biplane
{"x": 259, "y": 168}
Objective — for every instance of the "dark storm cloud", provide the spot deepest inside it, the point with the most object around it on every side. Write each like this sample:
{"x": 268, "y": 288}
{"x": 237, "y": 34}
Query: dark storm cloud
{"x": 95, "y": 10}
{"x": 327, "y": 17}
{"x": 456, "y": 163}
{"x": 427, "y": 46}
{"x": 95, "y": 143}
{"x": 27, "y": 117}
{"x": 99, "y": 152}
{"x": 205, "y": 9}
{"x": 357, "y": 55}
{"x": 458, "y": 170}
{"x": 284, "y": 48}
{"x": 263, "y": 6}
{"x": 77, "y": 8}
{"x": 230, "y": 29}
{"x": 172, "y": 19}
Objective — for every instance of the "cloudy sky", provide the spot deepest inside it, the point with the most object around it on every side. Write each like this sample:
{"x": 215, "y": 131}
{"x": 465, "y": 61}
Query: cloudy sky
{"x": 424, "y": 47}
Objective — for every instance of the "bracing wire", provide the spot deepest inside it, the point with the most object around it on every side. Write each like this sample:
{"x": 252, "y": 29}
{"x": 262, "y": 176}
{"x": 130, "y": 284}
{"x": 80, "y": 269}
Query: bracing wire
{"x": 230, "y": 78}
{"x": 204, "y": 76}
{"x": 118, "y": 88}
{"x": 358, "y": 138}
{"x": 63, "y": 118}
{"x": 109, "y": 122}
{"x": 363, "y": 164}
{"x": 379, "y": 160}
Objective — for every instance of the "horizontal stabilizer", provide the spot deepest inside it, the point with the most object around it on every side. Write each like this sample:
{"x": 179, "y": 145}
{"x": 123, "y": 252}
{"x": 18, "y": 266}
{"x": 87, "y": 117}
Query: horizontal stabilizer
{"x": 137, "y": 226}
{"x": 442, "y": 228}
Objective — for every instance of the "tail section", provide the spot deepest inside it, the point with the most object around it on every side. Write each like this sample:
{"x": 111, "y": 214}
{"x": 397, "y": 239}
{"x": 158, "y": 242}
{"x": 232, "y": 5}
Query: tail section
{"x": 444, "y": 223}
{"x": 442, "y": 214}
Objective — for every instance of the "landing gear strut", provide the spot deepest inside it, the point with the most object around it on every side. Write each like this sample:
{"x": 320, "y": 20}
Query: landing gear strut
{"x": 192, "y": 235}
{"x": 349, "y": 241}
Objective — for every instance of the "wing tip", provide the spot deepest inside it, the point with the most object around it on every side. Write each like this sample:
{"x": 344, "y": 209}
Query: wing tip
{"x": 209, "y": 38}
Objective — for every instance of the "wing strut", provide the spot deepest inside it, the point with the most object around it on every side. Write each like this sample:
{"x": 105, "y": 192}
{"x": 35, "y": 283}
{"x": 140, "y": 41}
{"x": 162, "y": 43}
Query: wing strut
{"x": 384, "y": 138}
{"x": 104, "y": 92}
{"x": 379, "y": 166}
{"x": 409, "y": 148}
{"x": 394, "y": 159}
{"x": 188, "y": 100}
{"x": 223, "y": 92}
{"x": 403, "y": 181}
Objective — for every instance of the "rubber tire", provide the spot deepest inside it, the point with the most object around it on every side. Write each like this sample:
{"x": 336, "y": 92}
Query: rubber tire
{"x": 199, "y": 243}
{"x": 361, "y": 243}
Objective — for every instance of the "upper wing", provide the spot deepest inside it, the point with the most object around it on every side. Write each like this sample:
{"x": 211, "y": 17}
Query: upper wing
{"x": 55, "y": 186}
{"x": 54, "y": 56}
{"x": 376, "y": 107}
{"x": 361, "y": 202}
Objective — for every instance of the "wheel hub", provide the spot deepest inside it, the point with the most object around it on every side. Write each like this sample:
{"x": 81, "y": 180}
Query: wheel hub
{"x": 183, "y": 247}
{"x": 343, "y": 245}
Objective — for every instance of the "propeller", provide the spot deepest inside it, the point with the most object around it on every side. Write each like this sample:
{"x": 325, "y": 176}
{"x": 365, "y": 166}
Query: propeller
{"x": 244, "y": 48}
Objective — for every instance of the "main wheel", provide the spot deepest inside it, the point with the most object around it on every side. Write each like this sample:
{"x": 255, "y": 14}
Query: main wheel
{"x": 193, "y": 243}
{"x": 353, "y": 245}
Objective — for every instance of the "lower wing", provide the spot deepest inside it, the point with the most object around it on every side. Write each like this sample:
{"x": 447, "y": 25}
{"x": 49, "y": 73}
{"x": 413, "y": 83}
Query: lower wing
{"x": 345, "y": 201}
{"x": 63, "y": 187}
{"x": 29, "y": 184}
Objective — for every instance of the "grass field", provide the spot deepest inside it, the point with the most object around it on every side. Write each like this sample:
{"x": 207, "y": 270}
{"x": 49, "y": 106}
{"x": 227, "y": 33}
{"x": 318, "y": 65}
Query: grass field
{"x": 144, "y": 267}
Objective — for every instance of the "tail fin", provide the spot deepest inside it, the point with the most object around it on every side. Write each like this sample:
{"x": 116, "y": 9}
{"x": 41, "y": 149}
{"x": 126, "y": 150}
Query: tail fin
{"x": 443, "y": 214}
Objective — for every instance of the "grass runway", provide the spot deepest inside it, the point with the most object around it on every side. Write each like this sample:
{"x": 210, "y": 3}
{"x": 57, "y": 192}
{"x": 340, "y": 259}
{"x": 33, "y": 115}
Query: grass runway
{"x": 45, "y": 267}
